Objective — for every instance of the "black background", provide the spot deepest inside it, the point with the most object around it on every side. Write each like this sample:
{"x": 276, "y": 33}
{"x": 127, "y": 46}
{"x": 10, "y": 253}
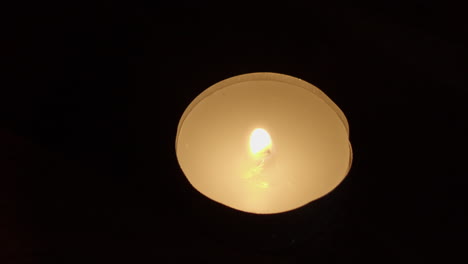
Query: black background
{"x": 93, "y": 95}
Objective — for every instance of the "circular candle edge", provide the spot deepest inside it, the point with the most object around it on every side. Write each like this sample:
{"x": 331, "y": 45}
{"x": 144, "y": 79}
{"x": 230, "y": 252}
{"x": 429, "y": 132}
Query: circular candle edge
{"x": 267, "y": 76}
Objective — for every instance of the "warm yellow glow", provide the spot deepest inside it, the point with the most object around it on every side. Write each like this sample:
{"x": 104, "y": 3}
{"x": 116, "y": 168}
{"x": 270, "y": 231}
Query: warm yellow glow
{"x": 255, "y": 171}
{"x": 260, "y": 143}
{"x": 224, "y": 143}
{"x": 260, "y": 148}
{"x": 263, "y": 185}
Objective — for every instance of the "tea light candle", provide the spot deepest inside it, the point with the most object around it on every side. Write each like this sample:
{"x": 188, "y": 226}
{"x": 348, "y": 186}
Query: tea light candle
{"x": 263, "y": 143}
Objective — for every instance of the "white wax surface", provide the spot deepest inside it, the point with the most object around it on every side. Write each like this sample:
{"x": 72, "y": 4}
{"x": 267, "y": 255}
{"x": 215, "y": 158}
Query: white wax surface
{"x": 310, "y": 154}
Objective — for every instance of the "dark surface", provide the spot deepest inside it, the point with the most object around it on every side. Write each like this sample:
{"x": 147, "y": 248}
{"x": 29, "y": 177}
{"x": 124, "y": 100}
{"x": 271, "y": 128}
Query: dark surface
{"x": 88, "y": 168}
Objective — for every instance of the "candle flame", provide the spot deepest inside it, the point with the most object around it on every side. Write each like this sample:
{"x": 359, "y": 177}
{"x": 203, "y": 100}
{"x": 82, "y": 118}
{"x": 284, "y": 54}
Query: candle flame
{"x": 260, "y": 148}
{"x": 260, "y": 143}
